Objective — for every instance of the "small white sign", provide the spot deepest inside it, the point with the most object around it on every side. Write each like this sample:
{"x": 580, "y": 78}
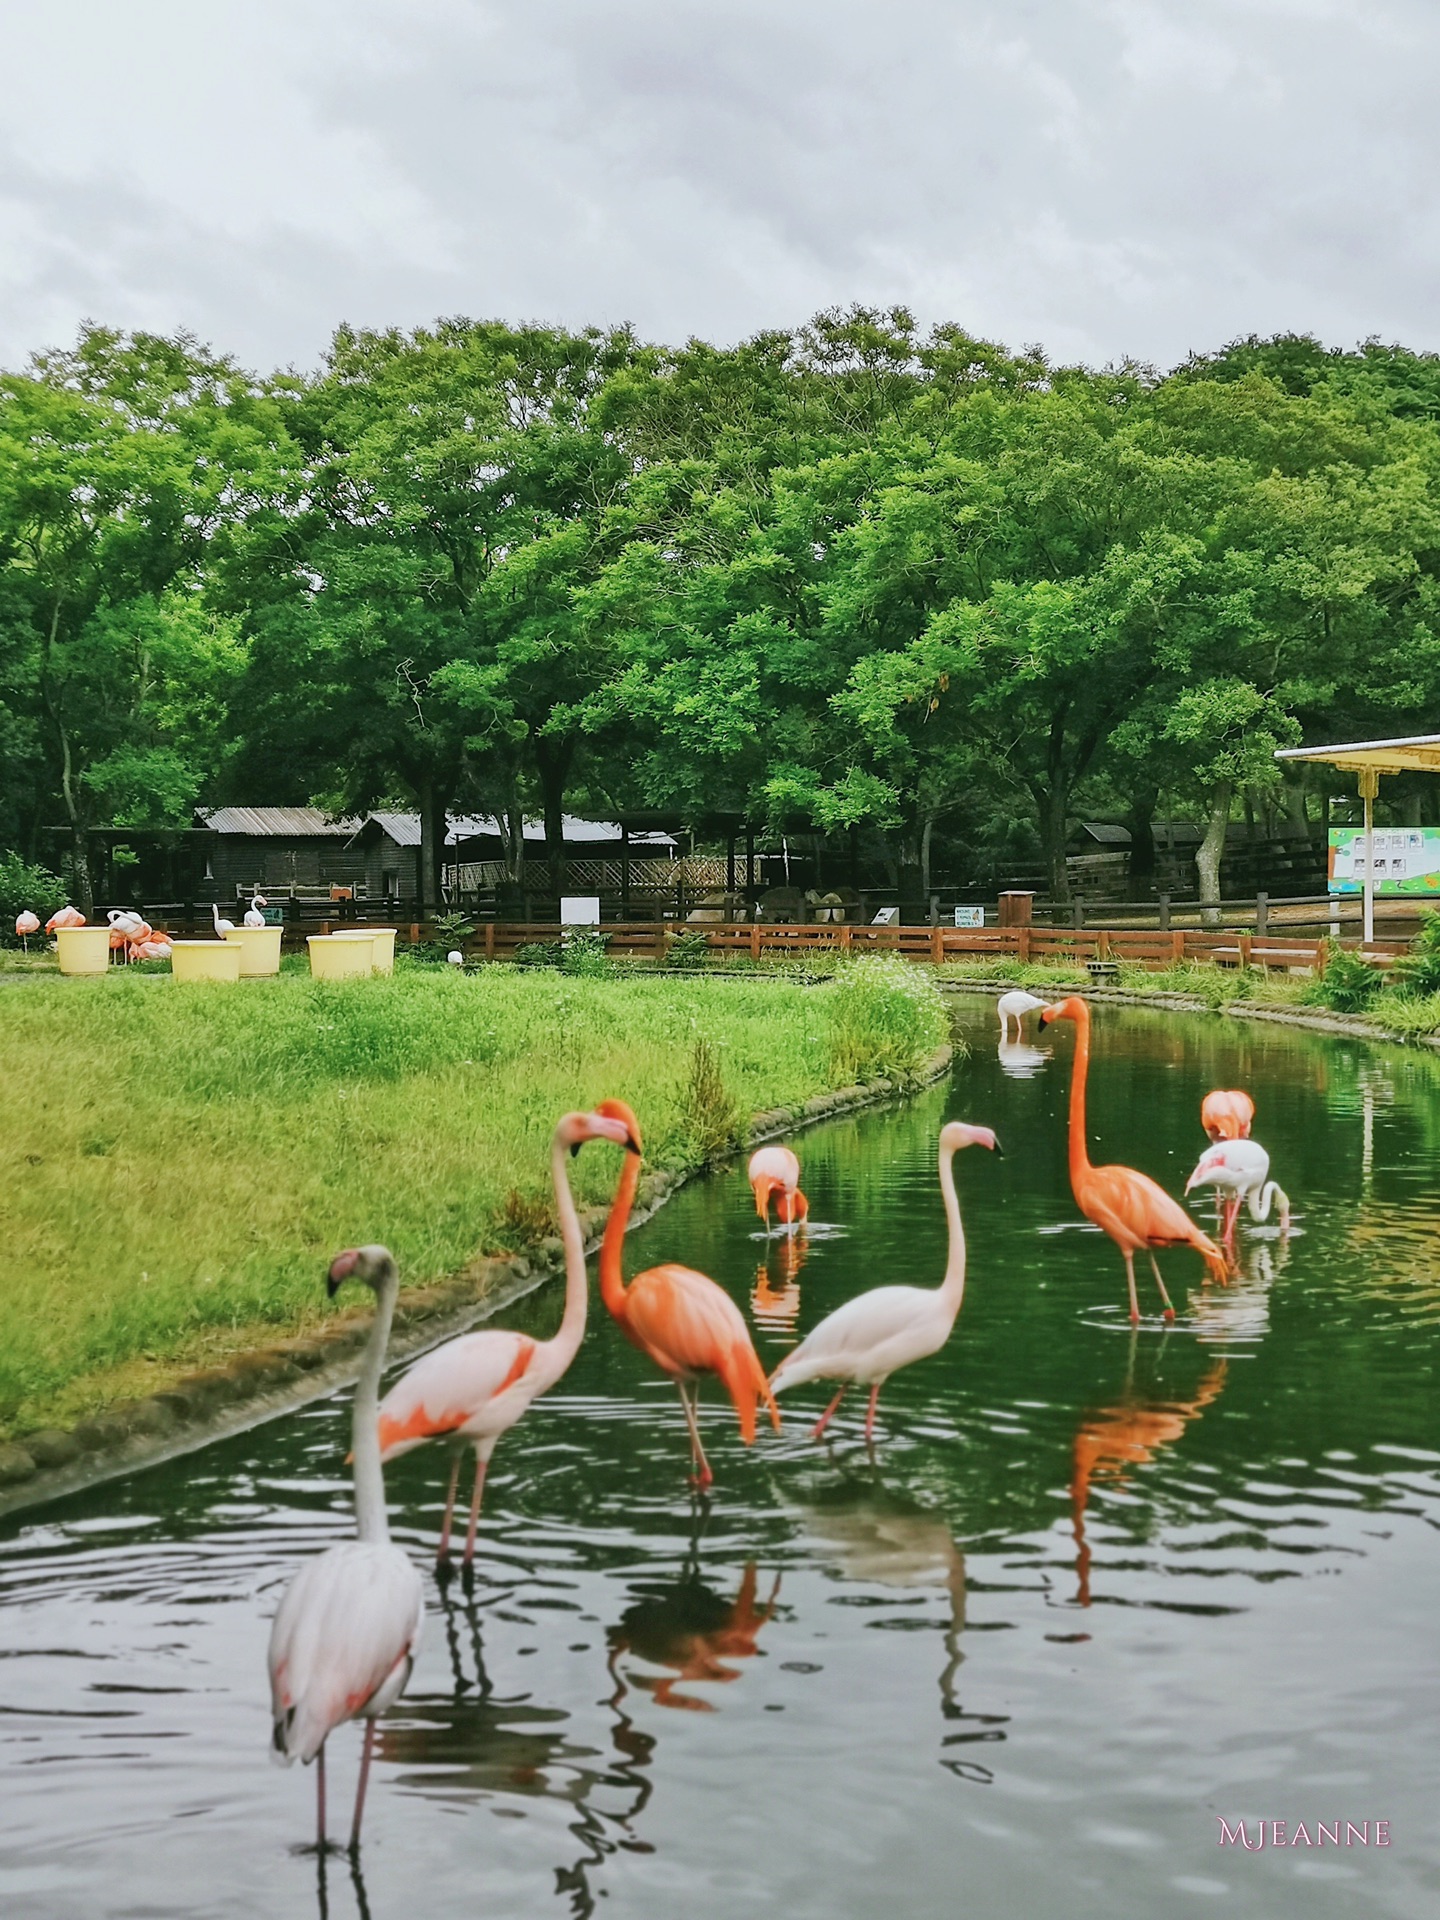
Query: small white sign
{"x": 886, "y": 917}
{"x": 969, "y": 916}
{"x": 580, "y": 910}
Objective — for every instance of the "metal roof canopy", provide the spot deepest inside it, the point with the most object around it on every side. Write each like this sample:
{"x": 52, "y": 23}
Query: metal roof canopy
{"x": 1415, "y": 753}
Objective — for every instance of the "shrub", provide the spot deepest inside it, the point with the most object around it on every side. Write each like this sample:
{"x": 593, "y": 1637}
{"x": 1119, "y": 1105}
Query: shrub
{"x": 539, "y": 953}
{"x": 1418, "y": 973}
{"x": 688, "y": 949}
{"x": 22, "y": 886}
{"x": 1348, "y": 985}
{"x": 709, "y": 1115}
{"x": 583, "y": 950}
{"x": 886, "y": 1019}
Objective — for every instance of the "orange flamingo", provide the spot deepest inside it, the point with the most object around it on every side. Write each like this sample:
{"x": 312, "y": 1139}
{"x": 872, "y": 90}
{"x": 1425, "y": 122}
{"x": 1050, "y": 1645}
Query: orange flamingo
{"x": 686, "y": 1324}
{"x": 1227, "y": 1115}
{"x": 777, "y": 1170}
{"x": 1131, "y": 1208}
{"x": 1112, "y": 1441}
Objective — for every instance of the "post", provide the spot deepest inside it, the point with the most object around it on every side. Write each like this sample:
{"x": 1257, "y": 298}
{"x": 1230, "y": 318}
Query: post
{"x": 754, "y": 939}
{"x": 1022, "y": 945}
{"x": 489, "y": 939}
{"x": 1177, "y": 947}
{"x": 1262, "y": 915}
{"x": 1164, "y": 913}
{"x": 1078, "y": 920}
{"x": 624, "y": 871}
{"x": 659, "y": 941}
{"x": 1369, "y": 787}
{"x": 937, "y": 943}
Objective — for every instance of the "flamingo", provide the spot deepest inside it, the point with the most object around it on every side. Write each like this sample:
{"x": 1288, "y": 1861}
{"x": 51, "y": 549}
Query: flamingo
{"x": 66, "y": 917}
{"x": 776, "y": 1170}
{"x": 455, "y": 958}
{"x": 1014, "y": 1006}
{"x": 222, "y": 927}
{"x": 1227, "y": 1115}
{"x": 25, "y": 924}
{"x": 1131, "y": 1208}
{"x": 156, "y": 947}
{"x": 686, "y": 1324}
{"x": 475, "y": 1388}
{"x": 344, "y": 1639}
{"x": 254, "y": 917}
{"x": 870, "y": 1336}
{"x": 1240, "y": 1169}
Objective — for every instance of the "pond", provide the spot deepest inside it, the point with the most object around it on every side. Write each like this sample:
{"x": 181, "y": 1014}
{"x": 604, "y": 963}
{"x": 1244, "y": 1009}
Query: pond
{"x": 1096, "y": 1590}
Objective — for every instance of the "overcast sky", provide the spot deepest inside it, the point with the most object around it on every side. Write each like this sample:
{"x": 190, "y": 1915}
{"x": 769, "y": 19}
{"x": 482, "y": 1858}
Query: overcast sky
{"x": 1106, "y": 177}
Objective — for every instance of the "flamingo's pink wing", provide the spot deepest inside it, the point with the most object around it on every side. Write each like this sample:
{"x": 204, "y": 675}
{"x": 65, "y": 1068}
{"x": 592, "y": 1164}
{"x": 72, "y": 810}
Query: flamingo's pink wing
{"x": 451, "y": 1386}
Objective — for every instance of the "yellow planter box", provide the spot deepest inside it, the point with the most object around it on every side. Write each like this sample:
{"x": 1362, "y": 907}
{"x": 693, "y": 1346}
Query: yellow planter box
{"x": 382, "y": 959}
{"x": 205, "y": 960}
{"x": 340, "y": 956}
{"x": 259, "y": 950}
{"x": 83, "y": 949}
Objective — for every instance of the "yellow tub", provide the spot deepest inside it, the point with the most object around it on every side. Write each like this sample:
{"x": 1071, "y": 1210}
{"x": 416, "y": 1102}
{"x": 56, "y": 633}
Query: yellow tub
{"x": 382, "y": 958}
{"x": 205, "y": 960}
{"x": 83, "y": 949}
{"x": 340, "y": 956}
{"x": 259, "y": 950}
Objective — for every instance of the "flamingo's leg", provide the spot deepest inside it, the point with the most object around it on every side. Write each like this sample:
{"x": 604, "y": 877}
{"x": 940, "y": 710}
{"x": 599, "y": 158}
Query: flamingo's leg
{"x": 320, "y": 1800}
{"x": 1155, "y": 1269}
{"x": 475, "y": 1507}
{"x": 825, "y": 1418}
{"x": 703, "y": 1476}
{"x": 443, "y": 1553}
{"x": 1232, "y": 1214}
{"x": 870, "y": 1415}
{"x": 1130, "y": 1276}
{"x": 365, "y": 1753}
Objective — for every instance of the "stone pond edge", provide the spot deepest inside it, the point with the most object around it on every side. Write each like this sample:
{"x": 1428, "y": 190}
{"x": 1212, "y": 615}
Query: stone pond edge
{"x": 251, "y": 1388}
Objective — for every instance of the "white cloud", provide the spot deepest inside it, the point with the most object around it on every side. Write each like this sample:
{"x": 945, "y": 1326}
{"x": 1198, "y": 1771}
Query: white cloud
{"x": 1109, "y": 177}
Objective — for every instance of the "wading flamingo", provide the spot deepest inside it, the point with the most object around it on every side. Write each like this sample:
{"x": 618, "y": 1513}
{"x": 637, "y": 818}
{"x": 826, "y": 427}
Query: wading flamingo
{"x": 1131, "y": 1208}
{"x": 474, "y": 1389}
{"x": 866, "y": 1340}
{"x": 1227, "y": 1115}
{"x": 25, "y": 924}
{"x": 254, "y": 917}
{"x": 66, "y": 917}
{"x": 1014, "y": 1006}
{"x": 687, "y": 1324}
{"x": 1240, "y": 1169}
{"x": 222, "y": 927}
{"x": 776, "y": 1170}
{"x": 344, "y": 1639}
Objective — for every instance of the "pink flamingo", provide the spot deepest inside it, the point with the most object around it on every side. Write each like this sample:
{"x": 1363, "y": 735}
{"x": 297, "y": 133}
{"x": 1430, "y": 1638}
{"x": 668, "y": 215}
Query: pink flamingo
{"x": 1227, "y": 1114}
{"x": 343, "y": 1641}
{"x": 25, "y": 924}
{"x": 66, "y": 917}
{"x": 776, "y": 1170}
{"x": 475, "y": 1388}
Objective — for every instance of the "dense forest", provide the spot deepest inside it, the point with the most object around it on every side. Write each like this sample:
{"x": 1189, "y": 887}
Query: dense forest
{"x": 858, "y": 575}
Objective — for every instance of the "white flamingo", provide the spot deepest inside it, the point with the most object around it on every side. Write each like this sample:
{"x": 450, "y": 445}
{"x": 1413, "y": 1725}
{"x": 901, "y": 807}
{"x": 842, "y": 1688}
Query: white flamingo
{"x": 222, "y": 927}
{"x": 1240, "y": 1169}
{"x": 254, "y": 917}
{"x": 25, "y": 924}
{"x": 344, "y": 1639}
{"x": 472, "y": 1390}
{"x": 1014, "y": 1006}
{"x": 777, "y": 1170}
{"x": 866, "y": 1340}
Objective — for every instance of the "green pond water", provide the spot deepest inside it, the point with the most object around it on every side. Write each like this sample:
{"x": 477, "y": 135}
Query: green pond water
{"x": 1095, "y": 1590}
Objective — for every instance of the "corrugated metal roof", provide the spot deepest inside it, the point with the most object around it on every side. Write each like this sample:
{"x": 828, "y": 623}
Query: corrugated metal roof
{"x": 288, "y": 823}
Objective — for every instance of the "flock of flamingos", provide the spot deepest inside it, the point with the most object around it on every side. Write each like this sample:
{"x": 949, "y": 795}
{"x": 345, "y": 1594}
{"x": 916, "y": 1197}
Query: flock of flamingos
{"x": 344, "y": 1638}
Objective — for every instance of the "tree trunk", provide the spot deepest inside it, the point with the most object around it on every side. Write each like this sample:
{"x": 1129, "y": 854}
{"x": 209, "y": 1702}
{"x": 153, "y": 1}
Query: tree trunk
{"x": 552, "y": 763}
{"x": 426, "y": 893}
{"x": 1209, "y": 854}
{"x": 1140, "y": 879}
{"x": 925, "y": 835}
{"x": 1054, "y": 810}
{"x": 82, "y": 889}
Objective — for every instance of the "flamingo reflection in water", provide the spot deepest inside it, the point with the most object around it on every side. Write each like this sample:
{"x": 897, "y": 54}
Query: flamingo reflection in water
{"x": 1111, "y": 1443}
{"x": 775, "y": 1305}
{"x": 688, "y": 1627}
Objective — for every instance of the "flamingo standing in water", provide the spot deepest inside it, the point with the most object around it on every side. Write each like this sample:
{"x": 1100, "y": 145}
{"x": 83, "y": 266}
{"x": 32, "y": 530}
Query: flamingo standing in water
{"x": 1014, "y": 1006}
{"x": 343, "y": 1641}
{"x": 1240, "y": 1169}
{"x": 681, "y": 1319}
{"x": 1227, "y": 1114}
{"x": 473, "y": 1390}
{"x": 870, "y": 1336}
{"x": 1131, "y": 1208}
{"x": 777, "y": 1170}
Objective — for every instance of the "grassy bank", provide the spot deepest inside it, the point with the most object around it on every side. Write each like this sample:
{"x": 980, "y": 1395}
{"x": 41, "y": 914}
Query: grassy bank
{"x": 176, "y": 1163}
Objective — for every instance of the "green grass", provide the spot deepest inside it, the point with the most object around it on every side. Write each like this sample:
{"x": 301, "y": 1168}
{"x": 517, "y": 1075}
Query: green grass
{"x": 177, "y": 1163}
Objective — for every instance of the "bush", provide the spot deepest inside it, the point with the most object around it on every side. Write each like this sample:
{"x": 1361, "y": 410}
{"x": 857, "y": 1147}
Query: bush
{"x": 709, "y": 1115}
{"x": 886, "y": 1019}
{"x": 1348, "y": 984}
{"x": 584, "y": 950}
{"x": 23, "y": 886}
{"x": 688, "y": 949}
{"x": 1418, "y": 973}
{"x": 539, "y": 953}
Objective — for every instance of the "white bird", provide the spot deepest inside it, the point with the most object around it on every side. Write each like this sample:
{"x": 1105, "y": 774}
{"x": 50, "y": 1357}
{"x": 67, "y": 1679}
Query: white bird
{"x": 455, "y": 957}
{"x": 1240, "y": 1169}
{"x": 866, "y": 1340}
{"x": 222, "y": 927}
{"x": 777, "y": 1170}
{"x": 254, "y": 917}
{"x": 343, "y": 1642}
{"x": 1014, "y": 1006}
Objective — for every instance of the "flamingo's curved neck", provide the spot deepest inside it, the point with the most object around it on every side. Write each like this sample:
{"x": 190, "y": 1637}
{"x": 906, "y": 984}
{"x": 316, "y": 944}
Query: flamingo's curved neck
{"x": 1079, "y": 1157}
{"x": 952, "y": 1287}
{"x": 612, "y": 1283}
{"x": 566, "y": 1343}
{"x": 370, "y": 1519}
